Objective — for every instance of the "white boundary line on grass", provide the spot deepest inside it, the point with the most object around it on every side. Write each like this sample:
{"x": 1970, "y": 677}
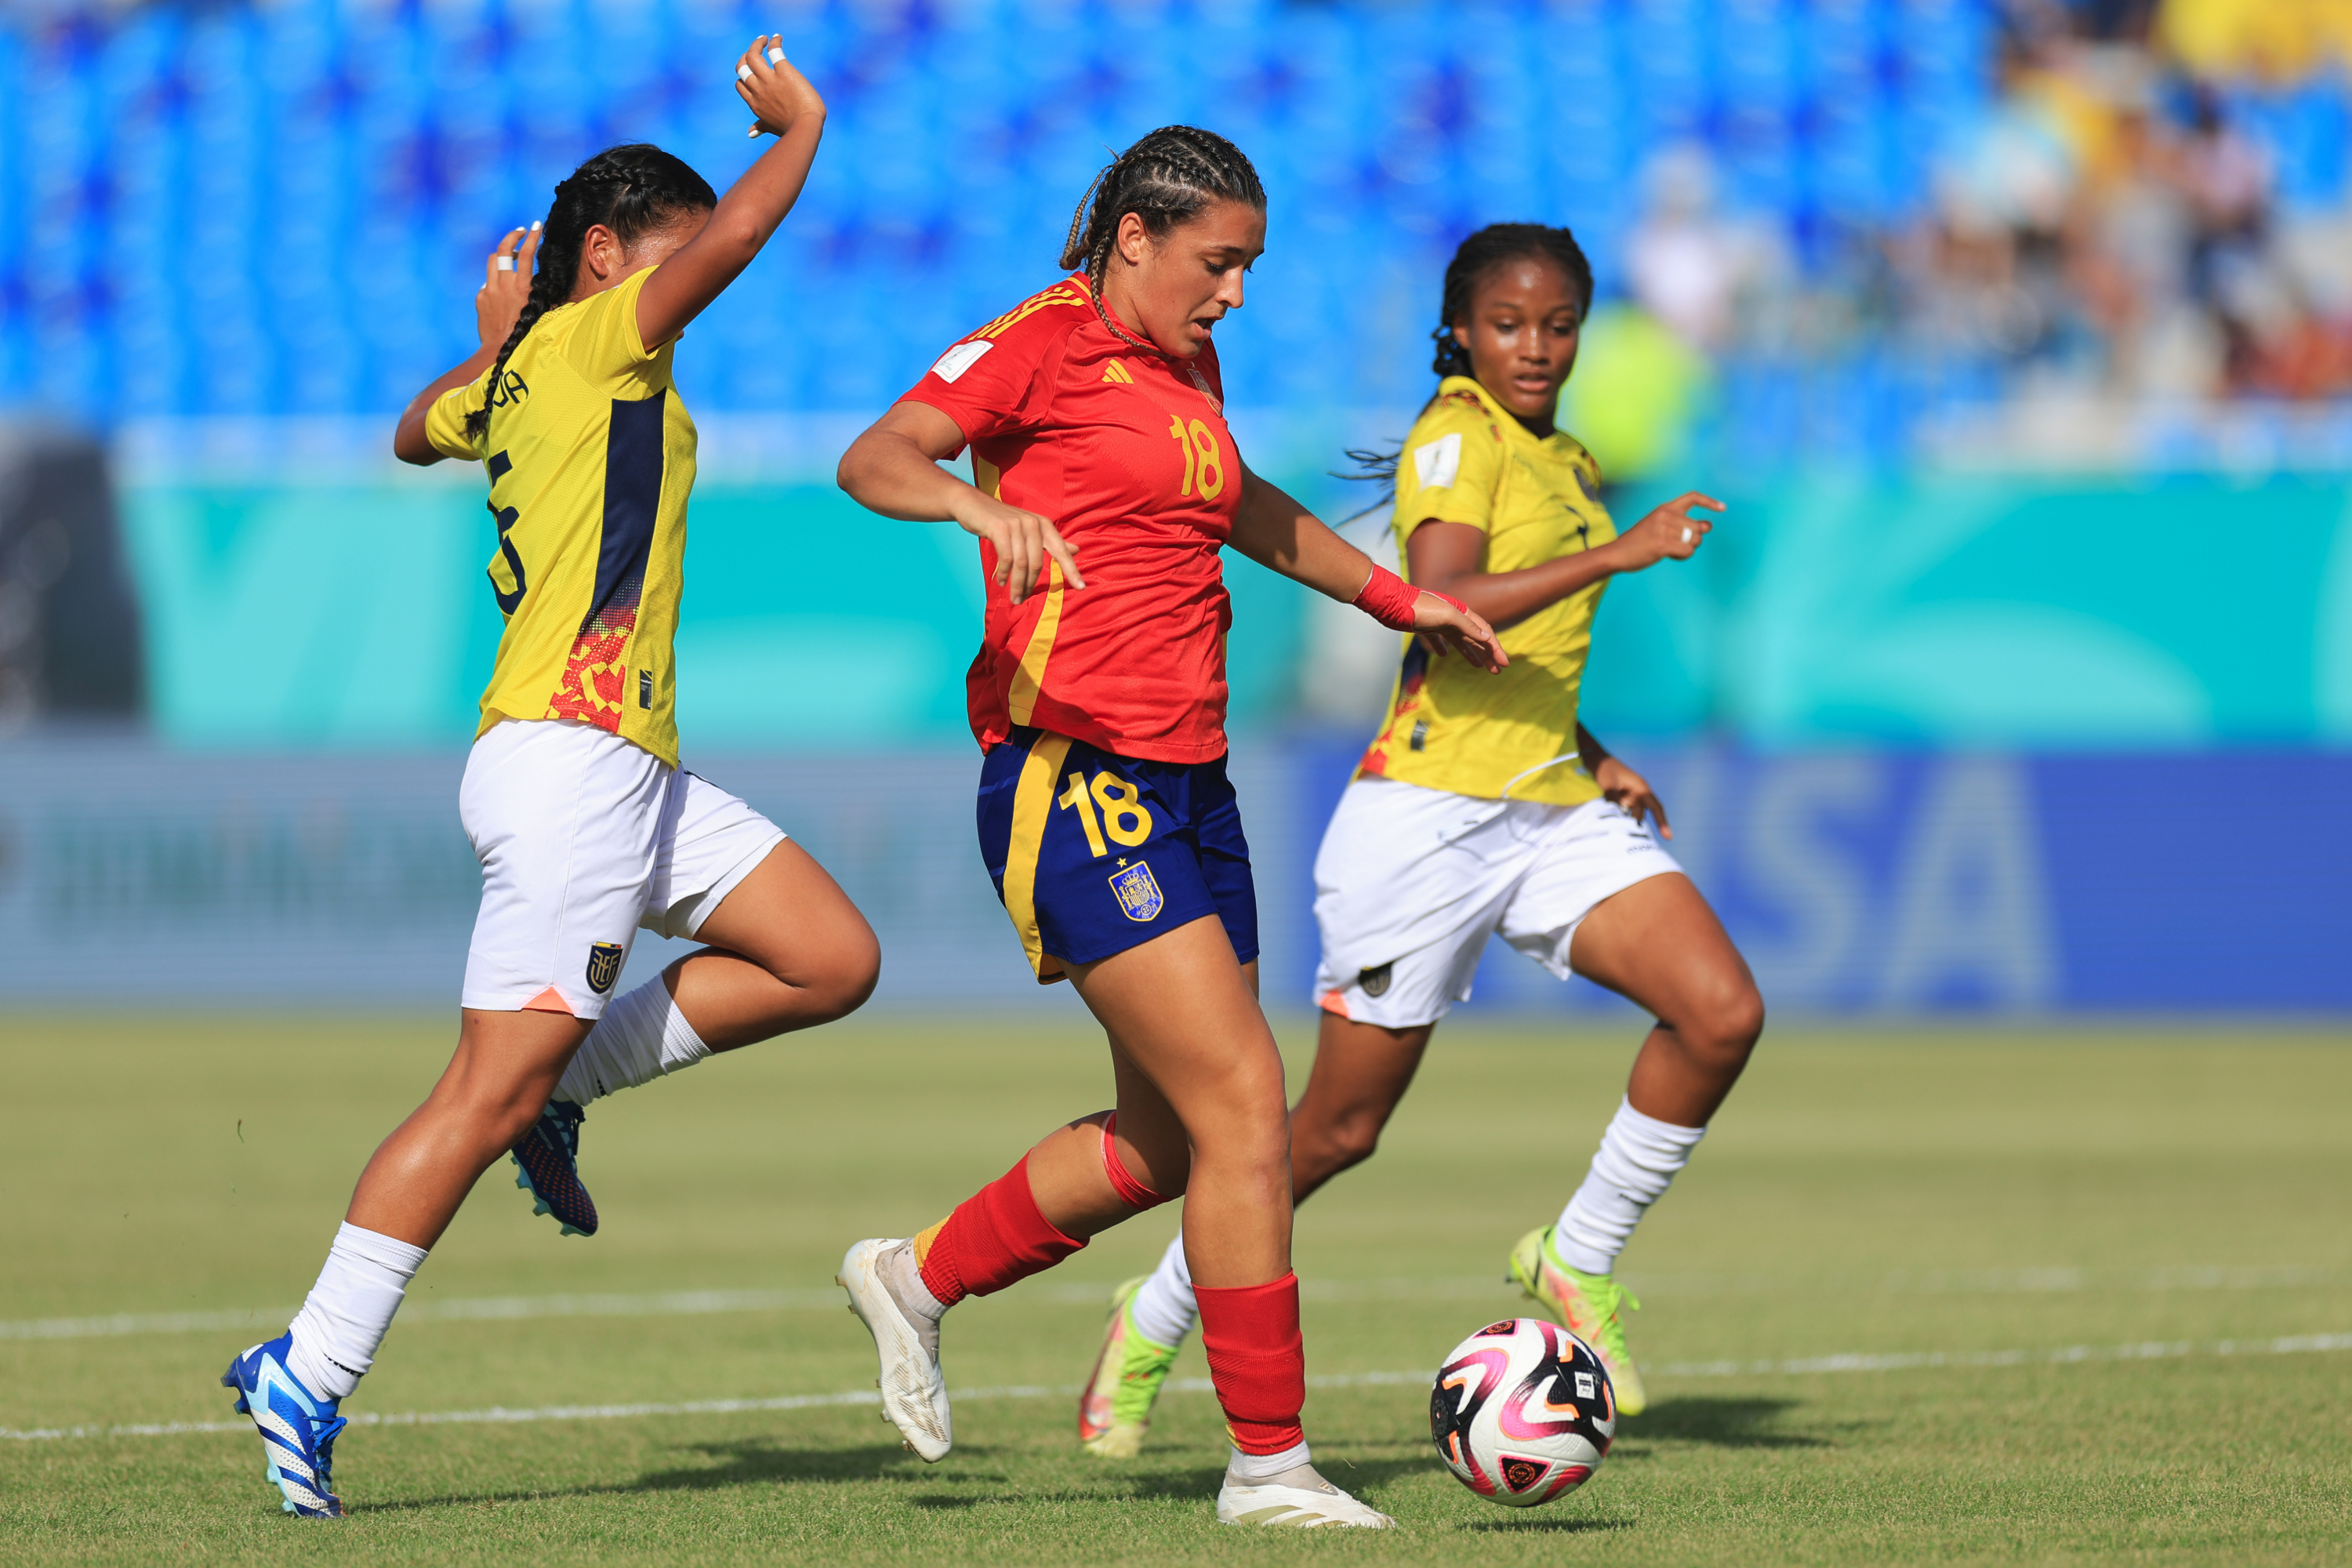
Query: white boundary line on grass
{"x": 694, "y": 1303}
{"x": 1900, "y": 1361}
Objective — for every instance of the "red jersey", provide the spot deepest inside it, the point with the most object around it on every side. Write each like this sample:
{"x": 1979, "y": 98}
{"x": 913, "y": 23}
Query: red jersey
{"x": 1126, "y": 450}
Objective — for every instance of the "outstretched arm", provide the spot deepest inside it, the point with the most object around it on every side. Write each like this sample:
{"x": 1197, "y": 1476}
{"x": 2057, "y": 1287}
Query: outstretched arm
{"x": 1281, "y": 535}
{"x": 1448, "y": 556}
{"x": 790, "y": 109}
{"x": 894, "y": 468}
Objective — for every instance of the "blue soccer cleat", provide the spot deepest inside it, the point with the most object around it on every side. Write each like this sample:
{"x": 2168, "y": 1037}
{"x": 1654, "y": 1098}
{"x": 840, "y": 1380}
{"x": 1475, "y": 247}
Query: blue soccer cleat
{"x": 549, "y": 1160}
{"x": 297, "y": 1428}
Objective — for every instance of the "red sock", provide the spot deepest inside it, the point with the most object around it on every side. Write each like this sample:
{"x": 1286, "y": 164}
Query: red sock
{"x": 995, "y": 1237}
{"x": 1257, "y": 1361}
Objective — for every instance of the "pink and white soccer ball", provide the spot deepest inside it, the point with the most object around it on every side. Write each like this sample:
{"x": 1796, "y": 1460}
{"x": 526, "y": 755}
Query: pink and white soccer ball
{"x": 1522, "y": 1412}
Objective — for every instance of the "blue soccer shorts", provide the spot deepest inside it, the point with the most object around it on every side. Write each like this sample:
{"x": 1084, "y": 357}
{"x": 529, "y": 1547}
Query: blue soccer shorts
{"x": 1092, "y": 853}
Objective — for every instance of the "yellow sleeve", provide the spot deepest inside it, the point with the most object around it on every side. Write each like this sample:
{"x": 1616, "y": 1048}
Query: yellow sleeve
{"x": 605, "y": 345}
{"x": 1450, "y": 466}
{"x": 444, "y": 422}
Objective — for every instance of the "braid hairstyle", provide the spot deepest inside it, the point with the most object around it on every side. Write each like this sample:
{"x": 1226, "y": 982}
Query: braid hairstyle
{"x": 1481, "y": 253}
{"x": 632, "y": 190}
{"x": 1473, "y": 261}
{"x": 1167, "y": 178}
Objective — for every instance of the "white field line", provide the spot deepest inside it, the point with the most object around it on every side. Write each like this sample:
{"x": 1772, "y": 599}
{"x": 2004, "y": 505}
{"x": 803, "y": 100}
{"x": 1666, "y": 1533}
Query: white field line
{"x": 1900, "y": 1361}
{"x": 689, "y": 1303}
{"x": 676, "y": 1303}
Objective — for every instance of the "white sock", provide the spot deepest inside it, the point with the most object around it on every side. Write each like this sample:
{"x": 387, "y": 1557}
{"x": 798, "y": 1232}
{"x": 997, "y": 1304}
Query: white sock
{"x": 1635, "y": 1164}
{"x": 1166, "y": 1308}
{"x": 641, "y": 1038}
{"x": 904, "y": 1279}
{"x": 1267, "y": 1467}
{"x": 340, "y": 1326}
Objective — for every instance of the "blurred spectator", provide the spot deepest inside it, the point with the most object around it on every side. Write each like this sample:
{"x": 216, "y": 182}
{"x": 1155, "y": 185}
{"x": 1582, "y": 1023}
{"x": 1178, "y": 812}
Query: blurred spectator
{"x": 1710, "y": 277}
{"x": 2278, "y": 40}
{"x": 1638, "y": 391}
{"x": 2109, "y": 226}
{"x": 2227, "y": 181}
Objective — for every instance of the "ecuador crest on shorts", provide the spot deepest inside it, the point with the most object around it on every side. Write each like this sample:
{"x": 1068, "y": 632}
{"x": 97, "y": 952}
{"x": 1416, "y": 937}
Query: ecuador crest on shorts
{"x": 603, "y": 965}
{"x": 1137, "y": 892}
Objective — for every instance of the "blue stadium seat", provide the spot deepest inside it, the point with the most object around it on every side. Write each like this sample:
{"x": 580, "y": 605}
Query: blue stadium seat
{"x": 387, "y": 145}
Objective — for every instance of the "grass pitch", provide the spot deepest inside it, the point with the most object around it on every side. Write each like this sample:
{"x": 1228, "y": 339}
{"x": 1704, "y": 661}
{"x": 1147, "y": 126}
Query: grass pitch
{"x": 1834, "y": 1291}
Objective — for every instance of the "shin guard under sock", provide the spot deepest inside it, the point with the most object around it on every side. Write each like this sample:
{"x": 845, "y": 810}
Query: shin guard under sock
{"x": 995, "y": 1237}
{"x": 1257, "y": 1361}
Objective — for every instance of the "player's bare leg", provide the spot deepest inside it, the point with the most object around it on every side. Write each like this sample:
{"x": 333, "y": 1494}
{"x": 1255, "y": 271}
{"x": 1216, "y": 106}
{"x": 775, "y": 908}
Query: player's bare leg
{"x": 1204, "y": 1076}
{"x": 787, "y": 950}
{"x": 1360, "y": 1074}
{"x": 1658, "y": 945}
{"x": 505, "y": 1066}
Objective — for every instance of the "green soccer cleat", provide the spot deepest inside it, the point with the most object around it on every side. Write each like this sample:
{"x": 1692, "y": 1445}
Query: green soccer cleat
{"x": 1588, "y": 1305}
{"x": 1115, "y": 1411}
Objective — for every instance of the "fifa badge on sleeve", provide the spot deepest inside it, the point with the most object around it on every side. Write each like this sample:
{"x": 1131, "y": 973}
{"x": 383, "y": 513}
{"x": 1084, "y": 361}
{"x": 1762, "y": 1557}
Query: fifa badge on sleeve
{"x": 1137, "y": 892}
{"x": 603, "y": 965}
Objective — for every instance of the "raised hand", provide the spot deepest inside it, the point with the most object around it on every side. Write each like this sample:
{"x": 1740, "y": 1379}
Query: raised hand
{"x": 774, "y": 90}
{"x": 506, "y": 286}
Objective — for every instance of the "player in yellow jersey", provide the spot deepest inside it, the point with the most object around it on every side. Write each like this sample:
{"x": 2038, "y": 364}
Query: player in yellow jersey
{"x": 585, "y": 827}
{"x": 1483, "y": 807}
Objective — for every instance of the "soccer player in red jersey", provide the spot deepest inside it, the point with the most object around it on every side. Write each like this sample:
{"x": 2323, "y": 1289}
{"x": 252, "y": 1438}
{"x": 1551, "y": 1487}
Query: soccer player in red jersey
{"x": 1104, "y": 484}
{"x": 1484, "y": 808}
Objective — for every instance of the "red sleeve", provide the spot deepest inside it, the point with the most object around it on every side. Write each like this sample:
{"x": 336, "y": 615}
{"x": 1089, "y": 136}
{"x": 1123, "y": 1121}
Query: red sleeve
{"x": 1000, "y": 380}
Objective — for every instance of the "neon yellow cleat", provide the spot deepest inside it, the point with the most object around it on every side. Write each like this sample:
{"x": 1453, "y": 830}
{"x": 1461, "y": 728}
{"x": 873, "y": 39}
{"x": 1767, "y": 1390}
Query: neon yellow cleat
{"x": 1115, "y": 1411}
{"x": 1588, "y": 1306}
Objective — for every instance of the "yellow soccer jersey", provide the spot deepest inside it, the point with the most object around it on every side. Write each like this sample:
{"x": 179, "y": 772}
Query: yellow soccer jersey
{"x": 591, "y": 457}
{"x": 1453, "y": 727}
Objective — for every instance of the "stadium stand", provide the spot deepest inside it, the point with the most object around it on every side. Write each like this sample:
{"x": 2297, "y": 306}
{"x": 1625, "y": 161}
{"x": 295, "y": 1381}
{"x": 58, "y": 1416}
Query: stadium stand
{"x": 271, "y": 209}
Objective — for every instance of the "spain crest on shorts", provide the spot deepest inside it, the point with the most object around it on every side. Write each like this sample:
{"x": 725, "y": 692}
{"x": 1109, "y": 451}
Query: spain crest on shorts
{"x": 603, "y": 965}
{"x": 1137, "y": 892}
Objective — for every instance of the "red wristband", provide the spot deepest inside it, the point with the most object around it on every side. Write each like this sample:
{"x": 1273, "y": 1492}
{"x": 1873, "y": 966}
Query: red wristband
{"x": 1388, "y": 599}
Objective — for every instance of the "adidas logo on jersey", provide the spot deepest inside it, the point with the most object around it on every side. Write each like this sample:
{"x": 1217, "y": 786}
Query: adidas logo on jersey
{"x": 1118, "y": 374}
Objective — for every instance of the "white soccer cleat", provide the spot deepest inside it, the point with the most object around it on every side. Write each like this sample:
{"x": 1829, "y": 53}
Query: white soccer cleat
{"x": 1298, "y": 1498}
{"x": 914, "y": 1393}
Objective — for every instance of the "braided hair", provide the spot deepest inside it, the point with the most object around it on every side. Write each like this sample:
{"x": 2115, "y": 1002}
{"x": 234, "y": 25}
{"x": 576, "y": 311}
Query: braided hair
{"x": 1475, "y": 261}
{"x": 1167, "y": 178}
{"x": 632, "y": 190}
{"x": 1478, "y": 257}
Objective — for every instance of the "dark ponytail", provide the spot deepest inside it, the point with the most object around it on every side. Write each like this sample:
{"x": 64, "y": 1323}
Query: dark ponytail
{"x": 1474, "y": 258}
{"x": 1169, "y": 177}
{"x": 631, "y": 190}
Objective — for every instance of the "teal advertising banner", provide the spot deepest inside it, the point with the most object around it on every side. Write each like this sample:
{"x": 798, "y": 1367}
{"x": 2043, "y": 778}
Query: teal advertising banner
{"x": 1930, "y": 610}
{"x": 1972, "y": 610}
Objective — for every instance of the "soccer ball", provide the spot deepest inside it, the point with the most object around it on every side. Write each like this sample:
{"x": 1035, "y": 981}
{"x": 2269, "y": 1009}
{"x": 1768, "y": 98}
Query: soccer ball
{"x": 1522, "y": 1412}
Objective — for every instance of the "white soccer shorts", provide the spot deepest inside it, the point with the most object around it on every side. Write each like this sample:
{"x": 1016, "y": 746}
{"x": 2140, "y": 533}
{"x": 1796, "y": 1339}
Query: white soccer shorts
{"x": 1411, "y": 882}
{"x": 585, "y": 838}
